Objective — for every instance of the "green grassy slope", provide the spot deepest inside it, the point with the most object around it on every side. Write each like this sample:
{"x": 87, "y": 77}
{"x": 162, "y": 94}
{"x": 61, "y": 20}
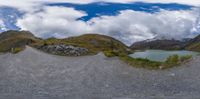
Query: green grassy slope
{"x": 12, "y": 41}
{"x": 194, "y": 44}
{"x": 94, "y": 42}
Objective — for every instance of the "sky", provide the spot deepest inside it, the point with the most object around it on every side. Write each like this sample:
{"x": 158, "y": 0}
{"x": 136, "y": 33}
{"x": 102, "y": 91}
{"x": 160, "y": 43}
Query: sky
{"x": 127, "y": 20}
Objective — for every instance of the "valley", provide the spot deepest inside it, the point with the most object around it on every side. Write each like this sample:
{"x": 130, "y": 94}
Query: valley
{"x": 91, "y": 44}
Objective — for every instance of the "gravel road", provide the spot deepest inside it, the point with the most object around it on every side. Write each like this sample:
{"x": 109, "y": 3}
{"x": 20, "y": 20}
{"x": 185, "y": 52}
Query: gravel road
{"x": 32, "y": 74}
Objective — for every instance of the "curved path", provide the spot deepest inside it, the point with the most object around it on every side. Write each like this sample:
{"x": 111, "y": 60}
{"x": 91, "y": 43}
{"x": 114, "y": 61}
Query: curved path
{"x": 32, "y": 74}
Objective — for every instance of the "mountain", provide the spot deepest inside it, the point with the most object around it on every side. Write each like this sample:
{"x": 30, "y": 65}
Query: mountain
{"x": 187, "y": 44}
{"x": 11, "y": 41}
{"x": 158, "y": 44}
{"x": 15, "y": 41}
{"x": 194, "y": 44}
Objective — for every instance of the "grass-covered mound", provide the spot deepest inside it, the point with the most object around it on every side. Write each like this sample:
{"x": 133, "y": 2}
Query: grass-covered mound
{"x": 171, "y": 61}
{"x": 15, "y": 41}
{"x": 93, "y": 42}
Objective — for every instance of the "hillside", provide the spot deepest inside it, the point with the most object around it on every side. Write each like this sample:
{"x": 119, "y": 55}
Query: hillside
{"x": 97, "y": 42}
{"x": 194, "y": 44}
{"x": 190, "y": 44}
{"x": 158, "y": 44}
{"x": 14, "y": 41}
{"x": 93, "y": 42}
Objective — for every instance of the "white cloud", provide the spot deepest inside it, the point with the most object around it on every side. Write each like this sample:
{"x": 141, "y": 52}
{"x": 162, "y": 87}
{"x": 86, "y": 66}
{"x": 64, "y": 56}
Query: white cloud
{"x": 129, "y": 26}
{"x": 2, "y": 26}
{"x": 53, "y": 21}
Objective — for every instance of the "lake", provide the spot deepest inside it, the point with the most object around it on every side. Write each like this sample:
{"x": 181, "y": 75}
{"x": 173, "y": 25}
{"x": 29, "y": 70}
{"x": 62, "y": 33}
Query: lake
{"x": 160, "y": 55}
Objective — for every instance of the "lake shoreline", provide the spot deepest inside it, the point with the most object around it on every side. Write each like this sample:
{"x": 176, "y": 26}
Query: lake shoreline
{"x": 161, "y": 55}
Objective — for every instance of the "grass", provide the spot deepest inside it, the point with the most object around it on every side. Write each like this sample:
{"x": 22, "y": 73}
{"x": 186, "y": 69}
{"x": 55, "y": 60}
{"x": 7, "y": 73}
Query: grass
{"x": 93, "y": 42}
{"x": 110, "y": 53}
{"x": 176, "y": 60}
{"x": 140, "y": 63}
{"x": 114, "y": 53}
{"x": 15, "y": 41}
{"x": 194, "y": 47}
{"x": 185, "y": 58}
{"x": 16, "y": 50}
{"x": 172, "y": 61}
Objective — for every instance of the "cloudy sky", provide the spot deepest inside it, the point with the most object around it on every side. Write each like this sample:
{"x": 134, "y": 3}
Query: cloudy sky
{"x": 126, "y": 20}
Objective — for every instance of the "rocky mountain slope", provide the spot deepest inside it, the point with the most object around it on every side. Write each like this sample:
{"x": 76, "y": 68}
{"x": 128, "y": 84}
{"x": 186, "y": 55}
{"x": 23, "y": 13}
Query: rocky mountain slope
{"x": 194, "y": 44}
{"x": 189, "y": 44}
{"x": 65, "y": 50}
{"x": 158, "y": 44}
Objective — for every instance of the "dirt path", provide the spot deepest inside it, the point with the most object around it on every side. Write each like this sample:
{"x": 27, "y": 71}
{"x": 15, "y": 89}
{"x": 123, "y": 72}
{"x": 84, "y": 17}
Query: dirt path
{"x": 36, "y": 75}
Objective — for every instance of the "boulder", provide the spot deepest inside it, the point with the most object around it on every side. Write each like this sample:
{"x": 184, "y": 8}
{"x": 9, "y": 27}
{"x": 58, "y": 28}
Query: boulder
{"x": 66, "y": 50}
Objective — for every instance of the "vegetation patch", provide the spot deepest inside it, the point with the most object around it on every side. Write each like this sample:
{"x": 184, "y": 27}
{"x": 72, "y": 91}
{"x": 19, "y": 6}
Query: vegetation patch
{"x": 114, "y": 53}
{"x": 17, "y": 50}
{"x": 194, "y": 47}
{"x": 15, "y": 41}
{"x": 171, "y": 61}
{"x": 110, "y": 53}
{"x": 185, "y": 58}
{"x": 141, "y": 63}
{"x": 176, "y": 60}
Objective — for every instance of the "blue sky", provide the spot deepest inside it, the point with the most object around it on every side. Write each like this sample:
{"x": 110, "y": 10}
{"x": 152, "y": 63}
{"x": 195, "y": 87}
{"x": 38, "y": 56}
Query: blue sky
{"x": 104, "y": 8}
{"x": 127, "y": 20}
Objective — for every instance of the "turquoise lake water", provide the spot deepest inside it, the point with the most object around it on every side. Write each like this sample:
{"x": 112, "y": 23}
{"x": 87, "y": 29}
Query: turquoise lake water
{"x": 160, "y": 55}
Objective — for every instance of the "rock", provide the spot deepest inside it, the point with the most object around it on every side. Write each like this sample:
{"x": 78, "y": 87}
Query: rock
{"x": 172, "y": 74}
{"x": 161, "y": 67}
{"x": 66, "y": 50}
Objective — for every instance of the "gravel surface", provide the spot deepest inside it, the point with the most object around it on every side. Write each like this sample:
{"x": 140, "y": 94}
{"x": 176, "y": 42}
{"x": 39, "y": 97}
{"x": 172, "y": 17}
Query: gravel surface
{"x": 32, "y": 74}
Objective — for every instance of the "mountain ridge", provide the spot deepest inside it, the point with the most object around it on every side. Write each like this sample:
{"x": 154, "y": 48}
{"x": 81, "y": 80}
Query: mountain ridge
{"x": 194, "y": 44}
{"x": 93, "y": 42}
{"x": 163, "y": 44}
{"x": 11, "y": 40}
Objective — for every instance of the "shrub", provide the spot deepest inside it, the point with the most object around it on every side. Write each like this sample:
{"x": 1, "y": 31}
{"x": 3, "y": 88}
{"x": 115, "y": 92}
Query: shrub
{"x": 111, "y": 53}
{"x": 174, "y": 59}
{"x": 185, "y": 58}
{"x": 141, "y": 63}
{"x": 16, "y": 50}
{"x": 171, "y": 61}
